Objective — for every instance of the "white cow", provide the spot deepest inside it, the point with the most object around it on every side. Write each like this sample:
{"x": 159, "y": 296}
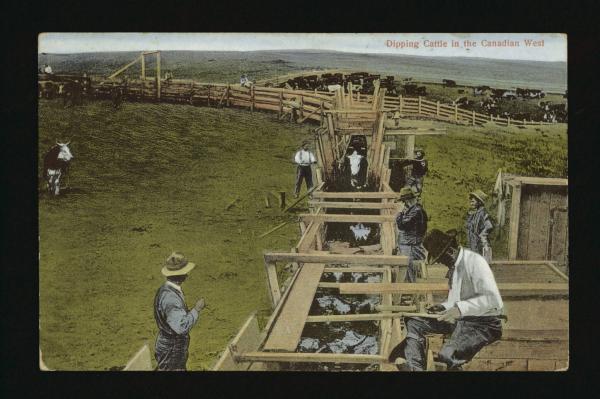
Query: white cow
{"x": 355, "y": 159}
{"x": 332, "y": 88}
{"x": 56, "y": 162}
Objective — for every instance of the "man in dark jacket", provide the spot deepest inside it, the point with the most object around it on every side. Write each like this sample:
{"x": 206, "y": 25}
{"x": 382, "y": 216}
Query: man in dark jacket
{"x": 478, "y": 225}
{"x": 412, "y": 226}
{"x": 172, "y": 316}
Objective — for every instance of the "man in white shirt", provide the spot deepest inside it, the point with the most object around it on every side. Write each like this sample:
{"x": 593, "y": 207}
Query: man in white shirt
{"x": 47, "y": 68}
{"x": 471, "y": 314}
{"x": 304, "y": 158}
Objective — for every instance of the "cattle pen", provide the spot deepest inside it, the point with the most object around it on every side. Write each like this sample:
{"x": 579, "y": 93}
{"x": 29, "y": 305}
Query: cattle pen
{"x": 536, "y": 294}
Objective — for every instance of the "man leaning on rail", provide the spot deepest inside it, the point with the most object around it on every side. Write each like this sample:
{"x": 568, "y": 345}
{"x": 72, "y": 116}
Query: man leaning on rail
{"x": 471, "y": 316}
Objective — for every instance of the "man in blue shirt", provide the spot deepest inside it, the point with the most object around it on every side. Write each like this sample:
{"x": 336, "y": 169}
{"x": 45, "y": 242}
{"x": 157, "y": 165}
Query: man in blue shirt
{"x": 412, "y": 225}
{"x": 172, "y": 316}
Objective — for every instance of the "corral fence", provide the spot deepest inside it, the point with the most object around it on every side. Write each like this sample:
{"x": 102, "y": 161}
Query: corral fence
{"x": 305, "y": 104}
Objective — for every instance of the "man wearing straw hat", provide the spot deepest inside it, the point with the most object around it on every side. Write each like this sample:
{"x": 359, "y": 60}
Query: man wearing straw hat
{"x": 172, "y": 316}
{"x": 470, "y": 315}
{"x": 478, "y": 225}
{"x": 412, "y": 226}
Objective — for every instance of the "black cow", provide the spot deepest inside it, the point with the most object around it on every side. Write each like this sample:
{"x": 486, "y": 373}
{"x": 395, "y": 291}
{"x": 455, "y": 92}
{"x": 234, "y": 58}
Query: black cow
{"x": 449, "y": 83}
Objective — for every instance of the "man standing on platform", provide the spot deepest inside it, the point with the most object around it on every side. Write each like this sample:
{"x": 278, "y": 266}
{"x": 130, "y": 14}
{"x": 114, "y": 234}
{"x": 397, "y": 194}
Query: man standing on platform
{"x": 172, "y": 316}
{"x": 412, "y": 226}
{"x": 418, "y": 172}
{"x": 304, "y": 158}
{"x": 478, "y": 225}
{"x": 470, "y": 315}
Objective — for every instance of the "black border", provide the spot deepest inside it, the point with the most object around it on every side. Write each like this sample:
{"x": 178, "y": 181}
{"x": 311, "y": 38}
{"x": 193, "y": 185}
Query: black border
{"x": 19, "y": 285}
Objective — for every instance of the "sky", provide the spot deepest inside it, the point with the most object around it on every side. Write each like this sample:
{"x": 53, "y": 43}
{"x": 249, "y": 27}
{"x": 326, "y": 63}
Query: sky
{"x": 508, "y": 46}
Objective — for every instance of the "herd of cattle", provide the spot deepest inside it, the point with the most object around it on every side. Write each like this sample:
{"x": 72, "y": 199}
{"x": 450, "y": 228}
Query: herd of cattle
{"x": 362, "y": 82}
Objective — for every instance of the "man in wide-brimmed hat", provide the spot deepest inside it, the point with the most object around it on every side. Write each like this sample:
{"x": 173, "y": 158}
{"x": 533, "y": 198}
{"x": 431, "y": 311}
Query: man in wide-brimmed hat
{"x": 304, "y": 158}
{"x": 412, "y": 226}
{"x": 470, "y": 315}
{"x": 478, "y": 225}
{"x": 172, "y": 316}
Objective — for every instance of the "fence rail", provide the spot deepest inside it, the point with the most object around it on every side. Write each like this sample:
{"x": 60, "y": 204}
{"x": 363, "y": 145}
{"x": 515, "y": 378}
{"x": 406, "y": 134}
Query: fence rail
{"x": 308, "y": 104}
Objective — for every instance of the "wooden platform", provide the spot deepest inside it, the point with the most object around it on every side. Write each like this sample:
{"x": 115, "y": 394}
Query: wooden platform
{"x": 287, "y": 330}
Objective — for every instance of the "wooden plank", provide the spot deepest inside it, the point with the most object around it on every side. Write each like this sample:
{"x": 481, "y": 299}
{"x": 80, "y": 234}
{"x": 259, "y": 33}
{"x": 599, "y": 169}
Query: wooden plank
{"x": 355, "y": 205}
{"x": 515, "y": 211}
{"x": 337, "y": 258}
{"x": 307, "y": 241}
{"x": 415, "y": 288}
{"x": 329, "y": 218}
{"x": 311, "y": 357}
{"x": 541, "y": 365}
{"x": 124, "y": 67}
{"x": 355, "y": 269}
{"x": 272, "y": 282}
{"x": 140, "y": 361}
{"x": 551, "y": 266}
{"x": 525, "y": 350}
{"x": 544, "y": 181}
{"x": 358, "y": 195}
{"x": 248, "y": 339}
{"x": 290, "y": 323}
{"x": 496, "y": 365}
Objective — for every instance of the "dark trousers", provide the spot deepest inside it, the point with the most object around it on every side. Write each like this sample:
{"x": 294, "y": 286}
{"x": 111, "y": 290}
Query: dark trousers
{"x": 414, "y": 252}
{"x": 306, "y": 173}
{"x": 171, "y": 352}
{"x": 467, "y": 336}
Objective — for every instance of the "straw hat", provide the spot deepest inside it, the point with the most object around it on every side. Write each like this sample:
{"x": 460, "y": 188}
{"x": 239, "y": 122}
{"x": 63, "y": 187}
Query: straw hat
{"x": 177, "y": 265}
{"x": 479, "y": 195}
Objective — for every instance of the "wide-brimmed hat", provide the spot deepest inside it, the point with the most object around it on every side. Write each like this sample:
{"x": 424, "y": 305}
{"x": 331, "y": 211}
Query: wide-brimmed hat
{"x": 479, "y": 195}
{"x": 436, "y": 242}
{"x": 177, "y": 265}
{"x": 406, "y": 193}
{"x": 419, "y": 150}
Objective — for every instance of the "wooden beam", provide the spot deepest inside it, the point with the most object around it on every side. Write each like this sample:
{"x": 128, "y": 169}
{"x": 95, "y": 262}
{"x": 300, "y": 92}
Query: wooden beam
{"x": 309, "y": 237}
{"x": 415, "y": 132}
{"x": 272, "y": 282}
{"x": 515, "y": 212}
{"x": 310, "y": 357}
{"x": 355, "y": 205}
{"x": 337, "y": 258}
{"x": 332, "y": 318}
{"x": 358, "y": 195}
{"x": 353, "y": 269}
{"x": 419, "y": 288}
{"x": 551, "y": 266}
{"x": 332, "y": 218}
{"x": 124, "y": 68}
{"x": 288, "y": 327}
{"x": 293, "y": 204}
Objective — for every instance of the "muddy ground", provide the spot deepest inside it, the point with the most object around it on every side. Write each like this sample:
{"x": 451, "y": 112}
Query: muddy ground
{"x": 152, "y": 178}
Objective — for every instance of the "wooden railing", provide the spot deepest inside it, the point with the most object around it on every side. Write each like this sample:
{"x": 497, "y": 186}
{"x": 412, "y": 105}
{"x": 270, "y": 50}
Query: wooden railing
{"x": 308, "y": 104}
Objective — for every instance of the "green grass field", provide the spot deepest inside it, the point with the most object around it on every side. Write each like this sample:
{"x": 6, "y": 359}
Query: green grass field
{"x": 152, "y": 178}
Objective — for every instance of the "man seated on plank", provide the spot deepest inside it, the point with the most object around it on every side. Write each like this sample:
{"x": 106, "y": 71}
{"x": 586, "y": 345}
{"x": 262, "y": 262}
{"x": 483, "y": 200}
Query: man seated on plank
{"x": 470, "y": 316}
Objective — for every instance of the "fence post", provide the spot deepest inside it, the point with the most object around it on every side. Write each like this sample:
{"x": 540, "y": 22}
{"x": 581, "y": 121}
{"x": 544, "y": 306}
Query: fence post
{"x": 301, "y": 106}
{"x": 322, "y": 114}
{"x": 419, "y": 112}
{"x": 208, "y": 99}
{"x": 280, "y": 103}
{"x": 507, "y": 120}
{"x": 456, "y": 112}
{"x": 437, "y": 109}
{"x": 228, "y": 95}
{"x": 252, "y": 98}
{"x": 400, "y": 106}
{"x": 473, "y": 117}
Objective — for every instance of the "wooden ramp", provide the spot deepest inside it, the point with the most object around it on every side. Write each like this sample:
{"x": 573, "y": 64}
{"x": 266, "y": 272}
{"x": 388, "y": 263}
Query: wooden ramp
{"x": 290, "y": 323}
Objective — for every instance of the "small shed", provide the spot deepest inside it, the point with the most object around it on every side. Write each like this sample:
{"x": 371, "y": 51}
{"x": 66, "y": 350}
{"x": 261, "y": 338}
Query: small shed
{"x": 538, "y": 218}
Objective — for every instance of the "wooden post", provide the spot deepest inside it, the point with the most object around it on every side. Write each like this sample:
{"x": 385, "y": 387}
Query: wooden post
{"x": 507, "y": 120}
{"x": 473, "y": 117}
{"x": 208, "y": 99}
{"x": 401, "y": 104}
{"x": 322, "y": 114}
{"x": 301, "y": 107}
{"x": 350, "y": 92}
{"x": 282, "y": 199}
{"x": 280, "y": 103}
{"x": 410, "y": 145}
{"x": 515, "y": 212}
{"x": 157, "y": 75}
{"x": 456, "y": 112}
{"x": 272, "y": 283}
{"x": 419, "y": 112}
{"x": 437, "y": 109}
{"x": 252, "y": 98}
{"x": 143, "y": 62}
{"x": 228, "y": 87}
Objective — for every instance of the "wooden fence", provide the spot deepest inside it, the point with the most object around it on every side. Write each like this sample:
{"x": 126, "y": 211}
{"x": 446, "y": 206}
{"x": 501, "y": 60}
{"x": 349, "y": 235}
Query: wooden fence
{"x": 308, "y": 104}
